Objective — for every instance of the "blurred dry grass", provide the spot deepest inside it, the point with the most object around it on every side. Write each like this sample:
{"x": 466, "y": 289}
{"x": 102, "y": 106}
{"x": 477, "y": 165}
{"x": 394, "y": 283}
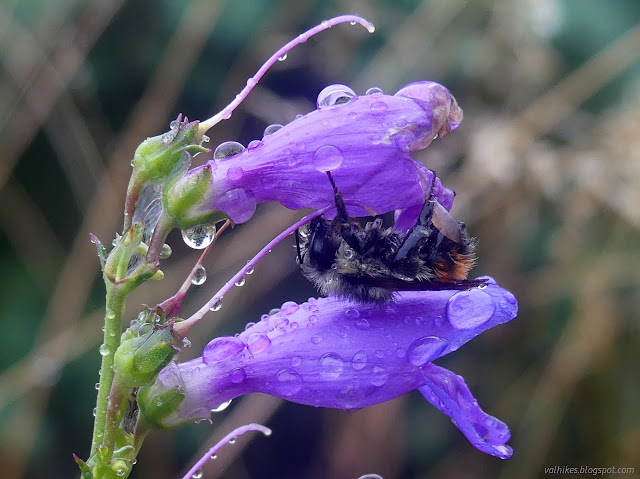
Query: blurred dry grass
{"x": 546, "y": 166}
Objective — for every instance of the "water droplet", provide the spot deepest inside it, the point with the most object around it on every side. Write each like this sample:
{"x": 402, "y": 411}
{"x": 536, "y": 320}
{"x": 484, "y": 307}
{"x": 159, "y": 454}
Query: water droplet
{"x": 371, "y": 476}
{"x": 232, "y": 441}
{"x": 327, "y": 158}
{"x": 238, "y": 203}
{"x": 282, "y": 57}
{"x": 199, "y": 236}
{"x": 97, "y": 386}
{"x": 121, "y": 472}
{"x": 258, "y": 342}
{"x": 379, "y": 376}
{"x": 359, "y": 360}
{"x": 250, "y": 270}
{"x": 214, "y": 457}
{"x": 314, "y": 308}
{"x": 94, "y": 411}
{"x": 324, "y": 23}
{"x": 313, "y": 319}
{"x": 254, "y": 145}
{"x": 373, "y": 90}
{"x": 271, "y": 129}
{"x": 470, "y": 309}
{"x": 316, "y": 338}
{"x": 249, "y": 325}
{"x": 362, "y": 324}
{"x": 222, "y": 406}
{"x": 288, "y": 382}
{"x": 352, "y": 313}
{"x": 296, "y": 361}
{"x": 293, "y": 325}
{"x": 217, "y": 306}
{"x": 227, "y": 149}
{"x": 109, "y": 314}
{"x": 221, "y": 348}
{"x": 289, "y": 307}
{"x": 274, "y": 311}
{"x": 335, "y": 95}
{"x": 237, "y": 375}
{"x": 331, "y": 366}
{"x": 378, "y": 106}
{"x": 438, "y": 320}
{"x": 235, "y": 174}
{"x": 165, "y": 252}
{"x": 197, "y": 475}
{"x": 282, "y": 324}
{"x": 240, "y": 282}
{"x": 425, "y": 349}
{"x": 251, "y": 82}
{"x": 104, "y": 349}
{"x": 404, "y": 140}
{"x": 200, "y": 275}
{"x": 348, "y": 253}
{"x": 379, "y": 354}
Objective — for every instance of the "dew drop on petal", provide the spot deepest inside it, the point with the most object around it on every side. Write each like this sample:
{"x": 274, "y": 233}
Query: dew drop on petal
{"x": 314, "y": 307}
{"x": 271, "y": 129}
{"x": 470, "y": 309}
{"x": 362, "y": 324}
{"x": 378, "y": 106}
{"x": 109, "y": 314}
{"x": 282, "y": 58}
{"x": 235, "y": 174}
{"x": 200, "y": 275}
{"x": 425, "y": 349}
{"x": 221, "y": 348}
{"x": 240, "y": 282}
{"x": 237, "y": 375}
{"x": 199, "y": 236}
{"x": 296, "y": 361}
{"x": 197, "y": 475}
{"x": 331, "y": 366}
{"x": 104, "y": 349}
{"x": 258, "y": 342}
{"x": 254, "y": 145}
{"x": 352, "y": 313}
{"x": 379, "y": 376}
{"x": 327, "y": 158}
{"x": 288, "y": 382}
{"x": 227, "y": 149}
{"x": 250, "y": 270}
{"x": 335, "y": 95}
{"x": 373, "y": 90}
{"x": 359, "y": 360}
{"x": 313, "y": 319}
{"x": 289, "y": 307}
{"x": 217, "y": 306}
{"x": 316, "y": 339}
{"x": 222, "y": 406}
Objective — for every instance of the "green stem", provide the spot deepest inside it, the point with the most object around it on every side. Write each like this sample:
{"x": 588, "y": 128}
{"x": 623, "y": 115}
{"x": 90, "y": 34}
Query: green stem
{"x": 115, "y": 304}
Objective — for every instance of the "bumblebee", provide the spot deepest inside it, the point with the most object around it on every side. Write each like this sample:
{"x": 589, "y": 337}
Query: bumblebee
{"x": 369, "y": 264}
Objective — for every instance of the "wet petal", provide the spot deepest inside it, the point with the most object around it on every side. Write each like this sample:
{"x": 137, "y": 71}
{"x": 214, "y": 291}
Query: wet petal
{"x": 449, "y": 393}
{"x": 365, "y": 142}
{"x": 333, "y": 353}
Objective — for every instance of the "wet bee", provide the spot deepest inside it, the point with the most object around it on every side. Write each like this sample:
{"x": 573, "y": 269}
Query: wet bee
{"x": 369, "y": 264}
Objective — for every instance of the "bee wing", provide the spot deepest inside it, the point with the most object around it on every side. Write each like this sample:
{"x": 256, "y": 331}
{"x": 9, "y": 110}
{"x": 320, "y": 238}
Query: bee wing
{"x": 394, "y": 284}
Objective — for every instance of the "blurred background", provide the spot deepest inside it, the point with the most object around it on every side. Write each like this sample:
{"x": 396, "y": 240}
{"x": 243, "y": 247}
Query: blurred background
{"x": 546, "y": 166}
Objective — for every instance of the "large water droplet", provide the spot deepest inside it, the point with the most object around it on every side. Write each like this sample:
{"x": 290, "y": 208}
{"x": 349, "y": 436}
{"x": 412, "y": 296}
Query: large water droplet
{"x": 379, "y": 106}
{"x": 238, "y": 203}
{"x": 227, "y": 149}
{"x": 362, "y": 324}
{"x": 258, "y": 342}
{"x": 199, "y": 236}
{"x": 359, "y": 360}
{"x": 331, "y": 366}
{"x": 104, "y": 349}
{"x": 327, "y": 158}
{"x": 221, "y": 348}
{"x": 379, "y": 376}
{"x": 373, "y": 90}
{"x": 200, "y": 275}
{"x": 371, "y": 476}
{"x": 470, "y": 309}
{"x": 425, "y": 349}
{"x": 198, "y": 474}
{"x": 240, "y": 282}
{"x": 217, "y": 306}
{"x": 222, "y": 406}
{"x": 271, "y": 129}
{"x": 404, "y": 140}
{"x": 288, "y": 382}
{"x": 235, "y": 174}
{"x": 165, "y": 252}
{"x": 352, "y": 313}
{"x": 335, "y": 95}
{"x": 254, "y": 145}
{"x": 282, "y": 58}
{"x": 237, "y": 375}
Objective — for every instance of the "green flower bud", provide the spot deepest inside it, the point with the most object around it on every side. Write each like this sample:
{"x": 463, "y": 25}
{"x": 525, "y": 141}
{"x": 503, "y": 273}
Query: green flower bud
{"x": 157, "y": 403}
{"x": 139, "y": 359}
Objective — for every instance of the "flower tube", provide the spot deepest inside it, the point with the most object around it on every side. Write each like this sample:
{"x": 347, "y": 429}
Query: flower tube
{"x": 339, "y": 354}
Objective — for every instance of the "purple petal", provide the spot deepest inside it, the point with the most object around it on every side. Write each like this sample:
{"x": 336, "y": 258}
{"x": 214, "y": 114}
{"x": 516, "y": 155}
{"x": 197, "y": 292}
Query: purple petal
{"x": 449, "y": 393}
{"x": 365, "y": 143}
{"x": 334, "y": 353}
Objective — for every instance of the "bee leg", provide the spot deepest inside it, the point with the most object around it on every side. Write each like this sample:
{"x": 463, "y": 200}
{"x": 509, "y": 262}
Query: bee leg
{"x": 342, "y": 209}
{"x": 298, "y": 247}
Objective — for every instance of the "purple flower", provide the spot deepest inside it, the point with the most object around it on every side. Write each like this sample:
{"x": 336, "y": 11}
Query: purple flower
{"x": 365, "y": 142}
{"x": 338, "y": 354}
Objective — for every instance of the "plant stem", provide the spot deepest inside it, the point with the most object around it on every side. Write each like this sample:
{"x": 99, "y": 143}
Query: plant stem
{"x": 115, "y": 304}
